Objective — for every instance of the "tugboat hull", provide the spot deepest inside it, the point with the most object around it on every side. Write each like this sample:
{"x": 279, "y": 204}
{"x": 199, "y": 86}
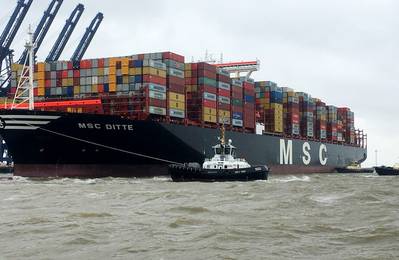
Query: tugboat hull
{"x": 180, "y": 173}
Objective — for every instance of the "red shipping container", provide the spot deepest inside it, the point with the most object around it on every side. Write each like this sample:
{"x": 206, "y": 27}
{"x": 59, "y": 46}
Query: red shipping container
{"x": 223, "y": 106}
{"x": 206, "y": 66}
{"x": 176, "y": 80}
{"x": 35, "y": 91}
{"x": 207, "y": 88}
{"x": 70, "y": 65}
{"x": 64, "y": 74}
{"x": 101, "y": 63}
{"x": 207, "y": 74}
{"x": 76, "y": 73}
{"x": 177, "y": 88}
{"x": 76, "y": 81}
{"x": 193, "y": 66}
{"x": 154, "y": 79}
{"x": 224, "y": 92}
{"x": 173, "y": 56}
{"x": 208, "y": 103}
{"x": 100, "y": 88}
{"x": 59, "y": 74}
{"x": 191, "y": 81}
{"x": 236, "y": 109}
{"x": 223, "y": 78}
{"x": 48, "y": 83}
{"x": 47, "y": 74}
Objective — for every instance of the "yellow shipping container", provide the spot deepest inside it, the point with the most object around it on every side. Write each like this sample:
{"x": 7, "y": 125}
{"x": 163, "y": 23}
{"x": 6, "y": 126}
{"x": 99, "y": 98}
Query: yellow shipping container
{"x": 112, "y": 62}
{"x": 41, "y": 75}
{"x": 224, "y": 114}
{"x": 112, "y": 79}
{"x": 187, "y": 66}
{"x": 70, "y": 81}
{"x": 154, "y": 72}
{"x": 64, "y": 82}
{"x": 16, "y": 67}
{"x": 188, "y": 73}
{"x": 209, "y": 111}
{"x": 40, "y": 91}
{"x": 40, "y": 67}
{"x": 191, "y": 88}
{"x": 125, "y": 62}
{"x": 100, "y": 72}
{"x": 176, "y": 97}
{"x": 209, "y": 118}
{"x": 277, "y": 107}
{"x": 112, "y": 70}
{"x": 41, "y": 83}
{"x": 112, "y": 87}
{"x": 125, "y": 79}
{"x": 176, "y": 105}
{"x": 94, "y": 89}
{"x": 76, "y": 90}
{"x": 125, "y": 70}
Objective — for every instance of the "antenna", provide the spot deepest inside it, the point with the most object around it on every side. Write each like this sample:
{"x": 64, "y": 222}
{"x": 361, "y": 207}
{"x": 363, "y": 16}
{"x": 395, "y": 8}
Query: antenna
{"x": 25, "y": 86}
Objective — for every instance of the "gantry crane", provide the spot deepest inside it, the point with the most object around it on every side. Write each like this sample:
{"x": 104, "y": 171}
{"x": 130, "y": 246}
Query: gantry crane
{"x": 6, "y": 39}
{"x": 66, "y": 32}
{"x": 87, "y": 37}
{"x": 42, "y": 28}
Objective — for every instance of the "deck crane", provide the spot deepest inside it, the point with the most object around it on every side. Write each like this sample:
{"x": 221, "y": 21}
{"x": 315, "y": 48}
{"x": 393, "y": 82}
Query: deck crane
{"x": 87, "y": 37}
{"x": 6, "y": 38}
{"x": 66, "y": 32}
{"x": 247, "y": 67}
{"x": 43, "y": 27}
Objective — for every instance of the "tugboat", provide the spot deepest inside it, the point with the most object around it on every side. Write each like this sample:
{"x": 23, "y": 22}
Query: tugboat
{"x": 354, "y": 168}
{"x": 223, "y": 166}
{"x": 384, "y": 170}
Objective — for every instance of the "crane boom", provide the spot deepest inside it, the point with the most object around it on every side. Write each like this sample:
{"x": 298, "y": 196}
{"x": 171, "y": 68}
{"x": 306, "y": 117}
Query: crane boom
{"x": 8, "y": 36}
{"x": 87, "y": 37}
{"x": 43, "y": 27}
{"x": 65, "y": 34}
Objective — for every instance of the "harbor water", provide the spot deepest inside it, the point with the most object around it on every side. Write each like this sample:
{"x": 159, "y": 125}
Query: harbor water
{"x": 318, "y": 216}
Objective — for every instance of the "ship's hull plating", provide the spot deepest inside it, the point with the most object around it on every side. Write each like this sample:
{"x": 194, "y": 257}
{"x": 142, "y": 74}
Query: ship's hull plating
{"x": 50, "y": 144}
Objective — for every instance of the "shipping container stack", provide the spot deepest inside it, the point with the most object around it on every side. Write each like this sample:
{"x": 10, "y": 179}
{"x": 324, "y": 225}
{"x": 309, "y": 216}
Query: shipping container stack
{"x": 347, "y": 118}
{"x": 237, "y": 109}
{"x": 291, "y": 112}
{"x": 224, "y": 96}
{"x": 201, "y": 86}
{"x": 306, "y": 109}
{"x": 332, "y": 133}
{"x": 269, "y": 106}
{"x": 321, "y": 120}
{"x": 249, "y": 103}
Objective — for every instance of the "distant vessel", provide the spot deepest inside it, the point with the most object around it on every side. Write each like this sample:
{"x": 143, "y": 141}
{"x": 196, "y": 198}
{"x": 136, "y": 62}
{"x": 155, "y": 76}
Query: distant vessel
{"x": 223, "y": 166}
{"x": 384, "y": 170}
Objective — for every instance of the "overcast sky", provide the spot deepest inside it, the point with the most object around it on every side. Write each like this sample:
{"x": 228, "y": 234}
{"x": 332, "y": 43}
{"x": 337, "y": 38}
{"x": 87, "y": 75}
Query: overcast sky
{"x": 342, "y": 51}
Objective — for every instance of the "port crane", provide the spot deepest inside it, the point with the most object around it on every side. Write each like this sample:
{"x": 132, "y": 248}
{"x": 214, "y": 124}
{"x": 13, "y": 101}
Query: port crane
{"x": 42, "y": 28}
{"x": 87, "y": 37}
{"x": 65, "y": 34}
{"x": 8, "y": 35}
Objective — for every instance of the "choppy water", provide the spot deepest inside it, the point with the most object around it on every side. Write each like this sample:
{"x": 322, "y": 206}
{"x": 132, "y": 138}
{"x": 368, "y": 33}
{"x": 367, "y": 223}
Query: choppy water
{"x": 287, "y": 217}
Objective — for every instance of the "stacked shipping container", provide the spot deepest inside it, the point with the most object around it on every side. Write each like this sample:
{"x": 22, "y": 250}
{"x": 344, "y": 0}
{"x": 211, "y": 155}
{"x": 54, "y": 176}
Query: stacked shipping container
{"x": 162, "y": 85}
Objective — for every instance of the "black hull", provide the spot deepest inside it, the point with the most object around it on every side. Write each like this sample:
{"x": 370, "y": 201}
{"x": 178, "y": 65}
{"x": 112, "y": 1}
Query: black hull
{"x": 52, "y": 144}
{"x": 180, "y": 173}
{"x": 387, "y": 171}
{"x": 361, "y": 170}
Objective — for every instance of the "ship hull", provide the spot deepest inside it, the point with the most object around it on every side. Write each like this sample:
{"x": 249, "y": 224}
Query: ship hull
{"x": 52, "y": 144}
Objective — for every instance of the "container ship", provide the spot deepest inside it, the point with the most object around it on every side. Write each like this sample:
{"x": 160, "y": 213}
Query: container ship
{"x": 134, "y": 115}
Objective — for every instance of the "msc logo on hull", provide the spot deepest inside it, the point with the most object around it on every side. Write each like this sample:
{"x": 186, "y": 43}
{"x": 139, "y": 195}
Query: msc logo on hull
{"x": 286, "y": 153}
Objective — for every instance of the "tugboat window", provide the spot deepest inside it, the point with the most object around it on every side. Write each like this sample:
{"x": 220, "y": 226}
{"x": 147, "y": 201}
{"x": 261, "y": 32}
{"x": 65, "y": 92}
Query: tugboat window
{"x": 218, "y": 151}
{"x": 226, "y": 150}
